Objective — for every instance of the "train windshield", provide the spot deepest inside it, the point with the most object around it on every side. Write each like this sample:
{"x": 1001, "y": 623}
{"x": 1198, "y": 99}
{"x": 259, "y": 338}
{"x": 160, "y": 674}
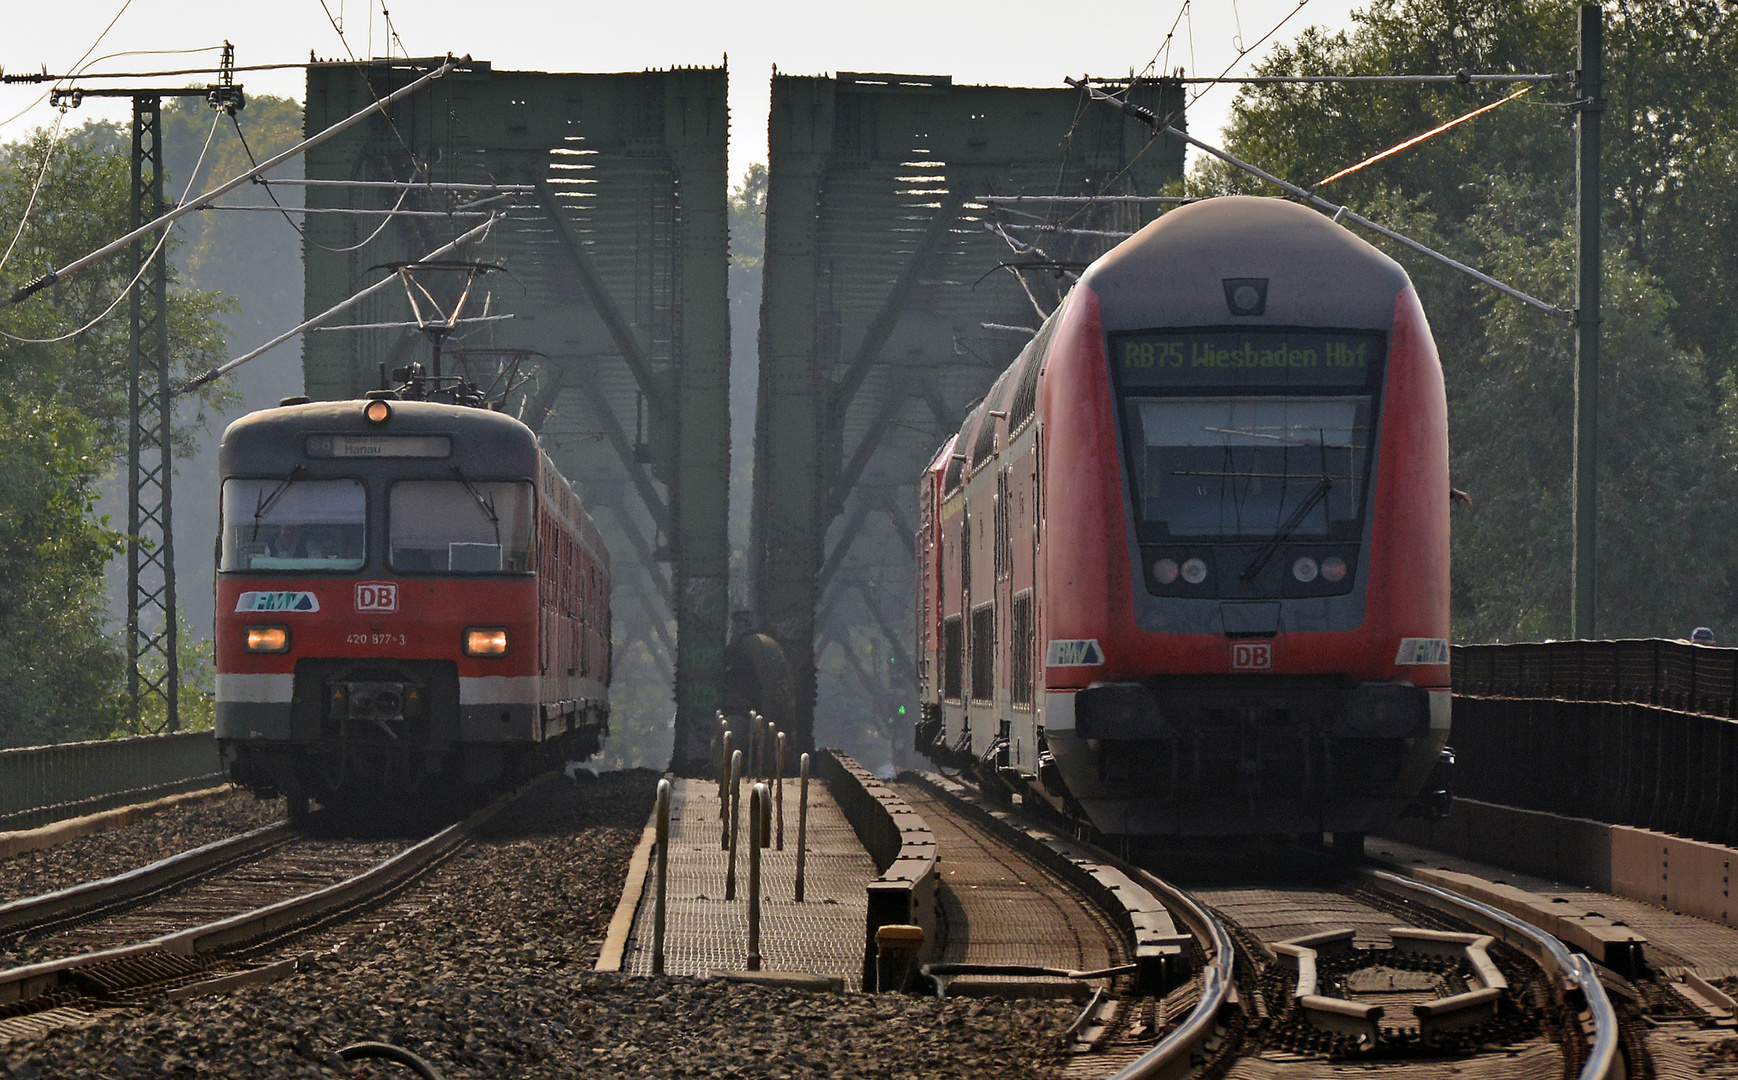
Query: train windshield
{"x": 1250, "y": 468}
{"x": 460, "y": 526}
{"x": 290, "y": 524}
{"x": 1249, "y": 435}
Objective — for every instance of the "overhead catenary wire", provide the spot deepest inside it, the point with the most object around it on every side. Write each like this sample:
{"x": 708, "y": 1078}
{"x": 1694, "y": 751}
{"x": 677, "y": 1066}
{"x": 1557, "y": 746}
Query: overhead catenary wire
{"x": 41, "y": 174}
{"x": 1339, "y": 212}
{"x": 390, "y": 212}
{"x": 144, "y": 264}
{"x": 475, "y": 233}
{"x": 227, "y": 186}
{"x": 125, "y": 4}
{"x": 1416, "y": 139}
{"x": 1457, "y": 77}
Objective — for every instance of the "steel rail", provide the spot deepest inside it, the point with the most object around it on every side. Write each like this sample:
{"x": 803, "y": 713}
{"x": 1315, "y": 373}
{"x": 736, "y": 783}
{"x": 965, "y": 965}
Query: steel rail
{"x": 1602, "y": 1059}
{"x": 264, "y": 924}
{"x": 1217, "y": 979}
{"x": 93, "y": 896}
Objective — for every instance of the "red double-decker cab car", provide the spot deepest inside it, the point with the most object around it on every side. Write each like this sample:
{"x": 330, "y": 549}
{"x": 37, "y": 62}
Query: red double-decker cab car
{"x": 1184, "y": 571}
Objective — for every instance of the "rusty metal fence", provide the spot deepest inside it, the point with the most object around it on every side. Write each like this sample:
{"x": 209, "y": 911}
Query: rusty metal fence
{"x": 42, "y": 784}
{"x": 1634, "y": 732}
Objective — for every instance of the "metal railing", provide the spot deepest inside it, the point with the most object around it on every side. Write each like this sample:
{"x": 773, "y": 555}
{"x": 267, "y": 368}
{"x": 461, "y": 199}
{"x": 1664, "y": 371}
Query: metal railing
{"x": 43, "y": 784}
{"x": 1637, "y": 733}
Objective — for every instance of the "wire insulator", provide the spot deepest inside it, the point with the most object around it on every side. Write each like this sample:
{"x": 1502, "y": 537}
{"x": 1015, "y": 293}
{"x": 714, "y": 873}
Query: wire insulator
{"x": 44, "y": 281}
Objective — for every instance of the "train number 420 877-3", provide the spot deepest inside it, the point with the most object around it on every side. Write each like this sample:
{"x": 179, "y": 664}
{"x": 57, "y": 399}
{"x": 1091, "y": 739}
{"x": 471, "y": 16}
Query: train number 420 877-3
{"x": 374, "y": 639}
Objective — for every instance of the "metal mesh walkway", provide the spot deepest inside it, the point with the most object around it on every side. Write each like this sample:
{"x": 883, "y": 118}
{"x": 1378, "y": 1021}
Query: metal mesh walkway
{"x": 704, "y": 932}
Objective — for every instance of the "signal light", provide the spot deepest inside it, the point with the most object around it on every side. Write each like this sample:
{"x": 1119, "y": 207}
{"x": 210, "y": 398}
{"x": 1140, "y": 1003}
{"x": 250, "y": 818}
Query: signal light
{"x": 268, "y": 639}
{"x": 1166, "y": 571}
{"x": 486, "y": 641}
{"x": 377, "y": 412}
{"x": 1333, "y": 568}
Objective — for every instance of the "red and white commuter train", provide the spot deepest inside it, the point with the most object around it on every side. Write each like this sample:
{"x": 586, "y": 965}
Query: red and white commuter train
{"x": 1184, "y": 570}
{"x": 410, "y": 598}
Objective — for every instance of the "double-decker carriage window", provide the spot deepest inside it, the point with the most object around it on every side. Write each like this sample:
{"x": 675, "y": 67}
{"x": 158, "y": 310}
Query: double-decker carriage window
{"x": 1020, "y": 675}
{"x": 953, "y": 649}
{"x": 460, "y": 526}
{"x": 984, "y": 653}
{"x": 1248, "y": 467}
{"x": 293, "y": 525}
{"x": 1004, "y": 537}
{"x": 1248, "y": 435}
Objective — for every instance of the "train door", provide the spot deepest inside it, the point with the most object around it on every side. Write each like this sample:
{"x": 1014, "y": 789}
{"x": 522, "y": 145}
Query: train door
{"x": 1002, "y": 557}
{"x": 1022, "y": 646}
{"x": 926, "y": 567}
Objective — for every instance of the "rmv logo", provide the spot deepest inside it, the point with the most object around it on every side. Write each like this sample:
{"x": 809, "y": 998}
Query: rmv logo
{"x": 376, "y": 596}
{"x": 1252, "y": 654}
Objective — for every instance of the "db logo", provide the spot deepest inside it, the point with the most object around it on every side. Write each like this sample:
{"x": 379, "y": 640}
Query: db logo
{"x": 1252, "y": 655}
{"x": 377, "y": 596}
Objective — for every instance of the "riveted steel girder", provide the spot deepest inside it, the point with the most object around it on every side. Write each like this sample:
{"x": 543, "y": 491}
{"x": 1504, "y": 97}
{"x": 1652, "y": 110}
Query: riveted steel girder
{"x": 616, "y": 263}
{"x": 880, "y": 273}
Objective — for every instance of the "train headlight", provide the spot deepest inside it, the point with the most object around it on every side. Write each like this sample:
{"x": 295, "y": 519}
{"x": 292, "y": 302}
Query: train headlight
{"x": 377, "y": 412}
{"x": 1333, "y": 568}
{"x": 1305, "y": 569}
{"x": 1194, "y": 571}
{"x": 486, "y": 641}
{"x": 268, "y": 639}
{"x": 1166, "y": 571}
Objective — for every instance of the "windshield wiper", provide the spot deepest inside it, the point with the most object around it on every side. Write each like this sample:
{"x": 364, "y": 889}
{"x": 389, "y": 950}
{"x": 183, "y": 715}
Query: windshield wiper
{"x": 486, "y": 505}
{"x": 266, "y": 502}
{"x": 1257, "y": 564}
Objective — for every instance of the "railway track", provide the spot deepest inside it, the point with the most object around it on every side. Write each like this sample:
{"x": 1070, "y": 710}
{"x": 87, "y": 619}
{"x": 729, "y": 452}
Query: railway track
{"x": 205, "y": 921}
{"x": 1307, "y": 967}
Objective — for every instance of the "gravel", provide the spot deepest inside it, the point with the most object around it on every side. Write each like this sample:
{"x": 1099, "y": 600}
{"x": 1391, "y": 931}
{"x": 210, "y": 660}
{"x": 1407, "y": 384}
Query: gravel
{"x": 484, "y": 969}
{"x": 168, "y": 832}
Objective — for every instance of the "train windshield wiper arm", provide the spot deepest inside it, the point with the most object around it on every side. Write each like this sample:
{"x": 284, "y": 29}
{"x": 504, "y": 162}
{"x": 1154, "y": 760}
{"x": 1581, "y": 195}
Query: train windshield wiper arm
{"x": 266, "y": 502}
{"x": 485, "y": 504}
{"x": 1256, "y": 565}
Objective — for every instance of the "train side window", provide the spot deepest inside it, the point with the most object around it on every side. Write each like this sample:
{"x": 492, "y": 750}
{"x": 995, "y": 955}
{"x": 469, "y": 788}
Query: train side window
{"x": 953, "y": 657}
{"x": 1023, "y": 644}
{"x": 983, "y": 647}
{"x": 289, "y": 524}
{"x": 460, "y": 526}
{"x": 1004, "y": 534}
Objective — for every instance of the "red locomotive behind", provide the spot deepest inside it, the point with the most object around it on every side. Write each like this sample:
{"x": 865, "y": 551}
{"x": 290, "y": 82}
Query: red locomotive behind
{"x": 1184, "y": 570}
{"x": 410, "y": 598}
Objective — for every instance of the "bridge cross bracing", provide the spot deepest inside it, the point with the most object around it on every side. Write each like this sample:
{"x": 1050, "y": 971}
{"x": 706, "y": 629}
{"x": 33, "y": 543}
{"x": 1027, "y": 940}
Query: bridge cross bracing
{"x": 881, "y": 272}
{"x": 614, "y": 253}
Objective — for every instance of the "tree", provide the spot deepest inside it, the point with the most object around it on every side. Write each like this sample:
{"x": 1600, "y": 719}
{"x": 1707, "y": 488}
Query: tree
{"x": 63, "y": 425}
{"x": 1498, "y": 192}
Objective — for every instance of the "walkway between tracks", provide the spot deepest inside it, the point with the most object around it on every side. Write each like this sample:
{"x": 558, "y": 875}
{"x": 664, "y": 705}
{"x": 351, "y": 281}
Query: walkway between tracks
{"x": 704, "y": 932}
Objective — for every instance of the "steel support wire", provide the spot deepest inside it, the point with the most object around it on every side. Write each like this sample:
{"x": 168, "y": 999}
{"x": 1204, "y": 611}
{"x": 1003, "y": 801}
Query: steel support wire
{"x": 52, "y": 275}
{"x": 1146, "y": 116}
{"x": 445, "y": 249}
{"x": 1173, "y": 1053}
{"x": 1602, "y": 1059}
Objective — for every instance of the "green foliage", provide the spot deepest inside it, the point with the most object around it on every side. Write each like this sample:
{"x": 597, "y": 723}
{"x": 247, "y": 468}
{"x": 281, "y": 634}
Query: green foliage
{"x": 58, "y": 668}
{"x": 63, "y": 426}
{"x": 1498, "y": 193}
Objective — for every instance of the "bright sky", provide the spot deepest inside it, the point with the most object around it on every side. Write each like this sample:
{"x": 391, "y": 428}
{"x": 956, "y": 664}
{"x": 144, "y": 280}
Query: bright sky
{"x": 1005, "y": 42}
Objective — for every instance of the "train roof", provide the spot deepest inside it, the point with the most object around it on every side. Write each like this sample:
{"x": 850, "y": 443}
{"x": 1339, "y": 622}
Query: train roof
{"x": 1174, "y": 272}
{"x": 487, "y": 438}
